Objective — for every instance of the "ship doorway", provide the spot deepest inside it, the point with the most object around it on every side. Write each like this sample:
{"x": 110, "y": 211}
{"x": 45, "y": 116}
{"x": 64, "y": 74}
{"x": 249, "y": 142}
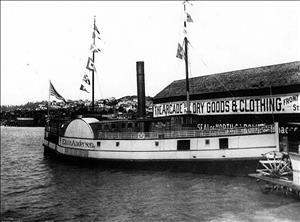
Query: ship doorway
{"x": 223, "y": 143}
{"x": 183, "y": 145}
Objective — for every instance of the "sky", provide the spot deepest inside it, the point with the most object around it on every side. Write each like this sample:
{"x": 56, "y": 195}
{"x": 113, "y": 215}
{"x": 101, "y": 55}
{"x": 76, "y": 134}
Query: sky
{"x": 50, "y": 40}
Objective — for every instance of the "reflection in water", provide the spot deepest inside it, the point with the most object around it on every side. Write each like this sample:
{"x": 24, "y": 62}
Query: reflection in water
{"x": 39, "y": 188}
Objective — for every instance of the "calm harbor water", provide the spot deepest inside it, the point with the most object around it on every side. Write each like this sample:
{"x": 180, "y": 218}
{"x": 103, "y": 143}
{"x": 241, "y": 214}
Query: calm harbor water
{"x": 38, "y": 188}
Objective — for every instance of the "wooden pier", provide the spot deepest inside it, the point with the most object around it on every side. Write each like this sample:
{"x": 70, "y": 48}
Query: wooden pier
{"x": 277, "y": 181}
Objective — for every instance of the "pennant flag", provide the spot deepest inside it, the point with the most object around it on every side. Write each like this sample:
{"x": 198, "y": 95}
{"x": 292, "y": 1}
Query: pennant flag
{"x": 86, "y": 79}
{"x": 96, "y": 29}
{"x": 83, "y": 88}
{"x": 54, "y": 93}
{"x": 94, "y": 48}
{"x": 179, "y": 52}
{"x": 94, "y": 35}
{"x": 90, "y": 65}
{"x": 188, "y": 18}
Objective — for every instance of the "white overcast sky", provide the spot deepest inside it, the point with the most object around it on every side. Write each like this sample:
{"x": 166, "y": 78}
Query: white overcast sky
{"x": 50, "y": 40}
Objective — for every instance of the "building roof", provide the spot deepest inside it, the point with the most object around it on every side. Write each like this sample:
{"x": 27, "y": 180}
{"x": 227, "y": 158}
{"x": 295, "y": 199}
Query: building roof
{"x": 227, "y": 83}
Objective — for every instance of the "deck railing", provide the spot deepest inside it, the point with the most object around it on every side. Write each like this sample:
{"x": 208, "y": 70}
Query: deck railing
{"x": 266, "y": 129}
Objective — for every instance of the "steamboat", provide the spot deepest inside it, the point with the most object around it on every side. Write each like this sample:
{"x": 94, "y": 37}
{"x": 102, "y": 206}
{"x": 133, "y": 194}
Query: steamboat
{"x": 159, "y": 143}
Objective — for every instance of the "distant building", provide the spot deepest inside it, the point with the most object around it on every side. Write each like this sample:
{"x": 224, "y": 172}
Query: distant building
{"x": 25, "y": 121}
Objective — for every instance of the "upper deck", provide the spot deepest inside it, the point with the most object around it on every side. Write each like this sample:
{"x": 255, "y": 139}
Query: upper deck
{"x": 164, "y": 128}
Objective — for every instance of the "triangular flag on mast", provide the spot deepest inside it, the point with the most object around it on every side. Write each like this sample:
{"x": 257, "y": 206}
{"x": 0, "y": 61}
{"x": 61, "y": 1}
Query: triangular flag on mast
{"x": 94, "y": 48}
{"x": 96, "y": 29}
{"x": 189, "y": 17}
{"x": 94, "y": 35}
{"x": 179, "y": 52}
{"x": 83, "y": 88}
{"x": 90, "y": 65}
{"x": 86, "y": 79}
{"x": 54, "y": 93}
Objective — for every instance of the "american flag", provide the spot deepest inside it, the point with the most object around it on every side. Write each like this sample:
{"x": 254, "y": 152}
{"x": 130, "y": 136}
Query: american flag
{"x": 54, "y": 93}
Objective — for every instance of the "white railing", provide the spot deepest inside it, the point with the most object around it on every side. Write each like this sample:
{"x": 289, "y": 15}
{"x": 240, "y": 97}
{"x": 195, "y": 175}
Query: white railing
{"x": 267, "y": 129}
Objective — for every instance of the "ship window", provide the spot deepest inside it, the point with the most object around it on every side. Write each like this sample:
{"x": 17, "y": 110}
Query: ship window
{"x": 123, "y": 125}
{"x": 129, "y": 125}
{"x": 183, "y": 144}
{"x": 207, "y": 142}
{"x": 156, "y": 143}
{"x": 223, "y": 142}
{"x": 113, "y": 126}
{"x": 136, "y": 124}
{"x": 117, "y": 143}
{"x": 98, "y": 144}
{"x": 105, "y": 126}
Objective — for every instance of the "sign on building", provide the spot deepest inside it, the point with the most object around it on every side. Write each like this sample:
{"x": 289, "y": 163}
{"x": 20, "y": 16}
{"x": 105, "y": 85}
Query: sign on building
{"x": 289, "y": 103}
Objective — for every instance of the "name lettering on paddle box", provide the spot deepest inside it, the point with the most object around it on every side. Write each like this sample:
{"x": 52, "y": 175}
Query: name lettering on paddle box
{"x": 76, "y": 143}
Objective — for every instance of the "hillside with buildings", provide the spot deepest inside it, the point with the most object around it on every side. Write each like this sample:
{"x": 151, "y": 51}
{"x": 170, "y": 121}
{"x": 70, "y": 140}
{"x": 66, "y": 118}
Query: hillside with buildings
{"x": 34, "y": 114}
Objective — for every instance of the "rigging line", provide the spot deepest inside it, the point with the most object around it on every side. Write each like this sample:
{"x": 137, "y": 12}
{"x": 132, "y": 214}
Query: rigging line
{"x": 200, "y": 56}
{"x": 214, "y": 76}
{"x": 234, "y": 96}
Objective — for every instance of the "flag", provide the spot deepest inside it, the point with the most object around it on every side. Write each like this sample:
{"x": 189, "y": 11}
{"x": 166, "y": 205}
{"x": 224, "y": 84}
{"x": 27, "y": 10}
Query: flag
{"x": 94, "y": 35}
{"x": 54, "y": 93}
{"x": 97, "y": 33}
{"x": 94, "y": 48}
{"x": 188, "y": 18}
{"x": 96, "y": 29}
{"x": 179, "y": 51}
{"x": 86, "y": 79}
{"x": 83, "y": 88}
{"x": 90, "y": 65}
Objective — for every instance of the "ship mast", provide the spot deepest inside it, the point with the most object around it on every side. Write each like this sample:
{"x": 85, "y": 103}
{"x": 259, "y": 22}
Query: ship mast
{"x": 93, "y": 71}
{"x": 186, "y": 62}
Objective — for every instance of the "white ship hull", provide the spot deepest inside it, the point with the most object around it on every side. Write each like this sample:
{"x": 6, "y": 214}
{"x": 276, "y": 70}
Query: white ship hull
{"x": 242, "y": 150}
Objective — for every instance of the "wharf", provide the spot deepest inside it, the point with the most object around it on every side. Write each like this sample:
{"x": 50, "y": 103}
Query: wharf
{"x": 277, "y": 181}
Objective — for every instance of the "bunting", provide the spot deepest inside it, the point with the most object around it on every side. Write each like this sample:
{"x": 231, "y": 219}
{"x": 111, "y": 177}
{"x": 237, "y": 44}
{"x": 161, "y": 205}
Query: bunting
{"x": 83, "y": 88}
{"x": 189, "y": 17}
{"x": 96, "y": 29}
{"x": 94, "y": 48}
{"x": 86, "y": 82}
{"x": 90, "y": 65}
{"x": 180, "y": 52}
{"x": 86, "y": 79}
{"x": 96, "y": 32}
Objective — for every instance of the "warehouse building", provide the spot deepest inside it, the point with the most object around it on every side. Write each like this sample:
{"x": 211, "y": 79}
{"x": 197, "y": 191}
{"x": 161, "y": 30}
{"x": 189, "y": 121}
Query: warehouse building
{"x": 248, "y": 97}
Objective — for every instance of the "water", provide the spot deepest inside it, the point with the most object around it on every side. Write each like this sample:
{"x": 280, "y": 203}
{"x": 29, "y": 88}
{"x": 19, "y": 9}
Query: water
{"x": 37, "y": 188}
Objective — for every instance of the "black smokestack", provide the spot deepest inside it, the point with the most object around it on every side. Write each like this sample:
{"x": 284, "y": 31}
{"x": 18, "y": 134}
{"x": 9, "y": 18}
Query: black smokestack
{"x": 141, "y": 89}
